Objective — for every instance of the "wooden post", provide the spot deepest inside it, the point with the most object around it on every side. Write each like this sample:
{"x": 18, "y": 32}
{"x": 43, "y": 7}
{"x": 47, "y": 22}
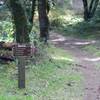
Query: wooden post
{"x": 21, "y": 72}
{"x": 22, "y": 52}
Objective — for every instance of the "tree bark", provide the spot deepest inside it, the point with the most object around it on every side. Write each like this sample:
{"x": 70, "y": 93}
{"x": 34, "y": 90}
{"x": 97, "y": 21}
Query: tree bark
{"x": 89, "y": 10}
{"x": 86, "y": 12}
{"x": 20, "y": 21}
{"x": 43, "y": 20}
{"x": 33, "y": 11}
{"x": 93, "y": 8}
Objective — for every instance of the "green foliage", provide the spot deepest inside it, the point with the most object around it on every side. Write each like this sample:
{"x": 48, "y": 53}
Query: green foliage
{"x": 57, "y": 22}
{"x": 70, "y": 24}
{"x": 56, "y": 18}
{"x": 6, "y": 31}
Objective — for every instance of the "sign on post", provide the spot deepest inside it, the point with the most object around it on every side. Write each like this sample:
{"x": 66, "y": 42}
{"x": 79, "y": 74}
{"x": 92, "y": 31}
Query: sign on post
{"x": 21, "y": 52}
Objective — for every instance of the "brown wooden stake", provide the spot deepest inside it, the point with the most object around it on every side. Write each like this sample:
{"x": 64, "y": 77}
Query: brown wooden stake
{"x": 22, "y": 53}
{"x": 21, "y": 72}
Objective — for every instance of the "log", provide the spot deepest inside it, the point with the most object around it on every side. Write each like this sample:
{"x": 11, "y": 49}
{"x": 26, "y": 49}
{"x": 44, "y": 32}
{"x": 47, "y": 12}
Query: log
{"x": 7, "y": 46}
{"x": 6, "y": 59}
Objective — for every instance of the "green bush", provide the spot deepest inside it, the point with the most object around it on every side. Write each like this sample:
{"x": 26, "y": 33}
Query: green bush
{"x": 6, "y": 31}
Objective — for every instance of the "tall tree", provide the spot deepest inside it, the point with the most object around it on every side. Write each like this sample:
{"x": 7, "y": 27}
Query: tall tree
{"x": 43, "y": 20}
{"x": 85, "y": 4}
{"x": 20, "y": 21}
{"x": 93, "y": 7}
{"x": 33, "y": 11}
{"x": 89, "y": 9}
{"x": 22, "y": 35}
{"x": 23, "y": 15}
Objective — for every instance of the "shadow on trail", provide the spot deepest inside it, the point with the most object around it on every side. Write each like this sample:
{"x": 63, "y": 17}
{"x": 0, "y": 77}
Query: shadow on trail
{"x": 75, "y": 45}
{"x": 70, "y": 41}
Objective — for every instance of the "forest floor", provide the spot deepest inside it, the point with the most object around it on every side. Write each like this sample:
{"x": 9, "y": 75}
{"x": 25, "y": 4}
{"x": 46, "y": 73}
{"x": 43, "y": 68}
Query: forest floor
{"x": 69, "y": 71}
{"x": 86, "y": 54}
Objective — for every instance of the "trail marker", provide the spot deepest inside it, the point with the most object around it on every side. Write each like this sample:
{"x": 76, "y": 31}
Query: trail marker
{"x": 21, "y": 52}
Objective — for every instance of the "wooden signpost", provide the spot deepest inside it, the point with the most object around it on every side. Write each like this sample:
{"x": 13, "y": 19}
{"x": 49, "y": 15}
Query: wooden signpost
{"x": 21, "y": 52}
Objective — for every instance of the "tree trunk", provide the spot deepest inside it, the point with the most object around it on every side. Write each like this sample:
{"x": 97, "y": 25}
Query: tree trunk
{"x": 93, "y": 7}
{"x": 20, "y": 21}
{"x": 43, "y": 20}
{"x": 89, "y": 10}
{"x": 33, "y": 11}
{"x": 86, "y": 12}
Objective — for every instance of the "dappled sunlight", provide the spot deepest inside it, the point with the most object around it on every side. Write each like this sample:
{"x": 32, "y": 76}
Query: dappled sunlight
{"x": 72, "y": 20}
{"x": 92, "y": 59}
{"x": 84, "y": 43}
{"x": 59, "y": 39}
{"x": 80, "y": 43}
{"x": 62, "y": 58}
{"x": 70, "y": 41}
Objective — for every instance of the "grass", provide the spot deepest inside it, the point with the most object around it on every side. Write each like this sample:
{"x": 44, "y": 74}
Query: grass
{"x": 93, "y": 49}
{"x": 16, "y": 98}
{"x": 52, "y": 79}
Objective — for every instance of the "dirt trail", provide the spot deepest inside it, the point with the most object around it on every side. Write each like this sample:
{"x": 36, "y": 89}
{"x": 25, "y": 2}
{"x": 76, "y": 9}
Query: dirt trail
{"x": 86, "y": 63}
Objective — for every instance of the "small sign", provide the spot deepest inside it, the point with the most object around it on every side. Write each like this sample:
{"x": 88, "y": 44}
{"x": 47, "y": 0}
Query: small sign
{"x": 22, "y": 50}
